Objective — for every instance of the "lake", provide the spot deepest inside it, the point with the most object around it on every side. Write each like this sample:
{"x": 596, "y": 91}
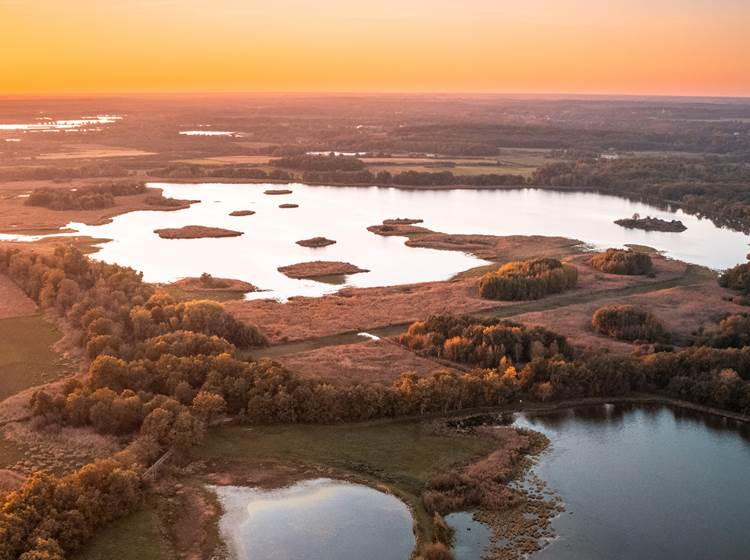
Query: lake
{"x": 344, "y": 213}
{"x": 319, "y": 519}
{"x": 646, "y": 482}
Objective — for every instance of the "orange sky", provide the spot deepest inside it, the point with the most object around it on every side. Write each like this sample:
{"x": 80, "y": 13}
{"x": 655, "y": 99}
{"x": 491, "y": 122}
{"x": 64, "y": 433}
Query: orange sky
{"x": 681, "y": 47}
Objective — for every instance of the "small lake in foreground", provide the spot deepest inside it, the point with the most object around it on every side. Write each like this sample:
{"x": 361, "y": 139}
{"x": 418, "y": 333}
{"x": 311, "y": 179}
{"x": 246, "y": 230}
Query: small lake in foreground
{"x": 318, "y": 519}
{"x": 646, "y": 482}
{"x": 344, "y": 213}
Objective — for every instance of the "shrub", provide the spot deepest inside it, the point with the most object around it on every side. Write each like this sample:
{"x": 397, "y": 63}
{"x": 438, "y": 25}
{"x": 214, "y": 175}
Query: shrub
{"x": 736, "y": 278}
{"x": 622, "y": 261}
{"x": 628, "y": 322}
{"x": 732, "y": 332}
{"x": 482, "y": 342}
{"x": 524, "y": 280}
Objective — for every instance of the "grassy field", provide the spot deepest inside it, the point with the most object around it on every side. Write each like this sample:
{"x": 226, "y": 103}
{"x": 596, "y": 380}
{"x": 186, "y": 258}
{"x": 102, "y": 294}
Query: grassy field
{"x": 228, "y": 160}
{"x": 509, "y": 161}
{"x": 26, "y": 355}
{"x": 403, "y": 455}
{"x": 135, "y": 537}
{"x": 515, "y": 162}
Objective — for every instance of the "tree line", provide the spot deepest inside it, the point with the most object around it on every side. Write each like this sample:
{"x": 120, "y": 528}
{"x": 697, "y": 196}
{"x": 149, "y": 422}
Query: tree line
{"x": 710, "y": 186}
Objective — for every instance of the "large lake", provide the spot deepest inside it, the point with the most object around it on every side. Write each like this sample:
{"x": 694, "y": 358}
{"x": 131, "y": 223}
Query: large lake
{"x": 646, "y": 482}
{"x": 344, "y": 213}
{"x": 318, "y": 519}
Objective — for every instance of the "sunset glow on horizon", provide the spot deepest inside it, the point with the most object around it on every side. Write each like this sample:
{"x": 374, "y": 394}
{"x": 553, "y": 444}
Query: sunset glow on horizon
{"x": 663, "y": 47}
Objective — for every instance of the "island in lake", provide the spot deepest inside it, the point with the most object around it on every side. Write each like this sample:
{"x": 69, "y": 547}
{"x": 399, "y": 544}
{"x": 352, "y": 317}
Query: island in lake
{"x": 651, "y": 224}
{"x": 195, "y": 232}
{"x": 317, "y": 269}
{"x": 316, "y": 242}
{"x": 208, "y": 283}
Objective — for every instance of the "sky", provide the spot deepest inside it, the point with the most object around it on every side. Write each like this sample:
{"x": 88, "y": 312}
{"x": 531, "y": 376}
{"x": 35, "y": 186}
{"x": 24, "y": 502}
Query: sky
{"x": 659, "y": 47}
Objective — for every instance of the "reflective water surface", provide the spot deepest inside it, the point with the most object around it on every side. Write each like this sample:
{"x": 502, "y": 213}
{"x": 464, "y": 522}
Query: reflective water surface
{"x": 46, "y": 124}
{"x": 344, "y": 213}
{"x": 638, "y": 481}
{"x": 647, "y": 482}
{"x": 318, "y": 519}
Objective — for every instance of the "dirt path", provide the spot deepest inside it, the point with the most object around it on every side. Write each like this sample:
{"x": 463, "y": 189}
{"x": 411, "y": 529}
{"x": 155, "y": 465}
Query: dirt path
{"x": 693, "y": 275}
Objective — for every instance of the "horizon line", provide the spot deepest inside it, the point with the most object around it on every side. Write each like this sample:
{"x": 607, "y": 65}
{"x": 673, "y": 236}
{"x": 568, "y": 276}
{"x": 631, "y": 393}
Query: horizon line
{"x": 335, "y": 93}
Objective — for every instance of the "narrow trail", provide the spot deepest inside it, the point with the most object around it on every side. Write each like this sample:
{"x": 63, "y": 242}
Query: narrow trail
{"x": 693, "y": 275}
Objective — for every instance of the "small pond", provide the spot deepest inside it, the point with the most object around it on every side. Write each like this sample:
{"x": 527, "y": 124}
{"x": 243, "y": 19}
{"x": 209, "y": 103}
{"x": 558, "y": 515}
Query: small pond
{"x": 319, "y": 519}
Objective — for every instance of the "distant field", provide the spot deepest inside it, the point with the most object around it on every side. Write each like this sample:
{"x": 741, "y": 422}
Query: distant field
{"x": 94, "y": 152}
{"x": 228, "y": 160}
{"x": 457, "y": 170}
{"x": 509, "y": 161}
{"x": 26, "y": 355}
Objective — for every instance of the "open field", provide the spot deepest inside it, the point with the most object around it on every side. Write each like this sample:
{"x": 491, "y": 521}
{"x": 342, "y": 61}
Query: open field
{"x": 684, "y": 298}
{"x": 26, "y": 355}
{"x": 374, "y": 361}
{"x": 353, "y": 310}
{"x": 229, "y": 160}
{"x": 513, "y": 162}
{"x": 84, "y": 151}
{"x": 13, "y": 302}
{"x": 682, "y": 309}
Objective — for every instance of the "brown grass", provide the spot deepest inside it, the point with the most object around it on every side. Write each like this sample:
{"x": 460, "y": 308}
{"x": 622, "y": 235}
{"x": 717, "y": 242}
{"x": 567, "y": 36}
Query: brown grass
{"x": 376, "y": 361}
{"x": 195, "y": 232}
{"x": 682, "y": 310}
{"x": 357, "y": 309}
{"x": 13, "y": 302}
{"x": 361, "y": 309}
{"x": 492, "y": 247}
{"x": 93, "y": 151}
{"x": 489, "y": 247}
{"x": 316, "y": 269}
